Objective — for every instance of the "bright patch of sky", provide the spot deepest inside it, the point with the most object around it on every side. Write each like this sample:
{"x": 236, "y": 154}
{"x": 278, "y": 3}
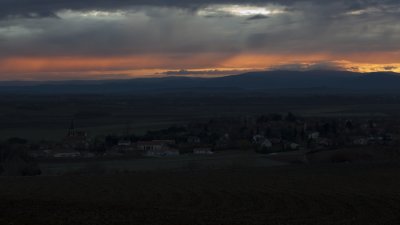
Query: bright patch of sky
{"x": 17, "y": 31}
{"x": 241, "y": 10}
{"x": 92, "y": 14}
{"x": 387, "y": 9}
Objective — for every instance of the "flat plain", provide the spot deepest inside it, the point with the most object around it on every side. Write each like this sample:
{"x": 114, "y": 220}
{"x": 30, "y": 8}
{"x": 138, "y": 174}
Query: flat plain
{"x": 45, "y": 117}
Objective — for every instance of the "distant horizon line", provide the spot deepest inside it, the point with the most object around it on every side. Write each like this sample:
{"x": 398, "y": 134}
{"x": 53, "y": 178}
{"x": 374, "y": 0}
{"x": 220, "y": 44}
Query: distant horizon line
{"x": 203, "y": 76}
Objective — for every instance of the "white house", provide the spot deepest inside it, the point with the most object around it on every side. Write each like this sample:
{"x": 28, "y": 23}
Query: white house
{"x": 313, "y": 136}
{"x": 203, "y": 151}
{"x": 162, "y": 152}
{"x": 258, "y": 139}
{"x": 157, "y": 148}
{"x": 65, "y": 153}
{"x": 154, "y": 145}
{"x": 294, "y": 146}
{"x": 266, "y": 144}
{"x": 124, "y": 143}
{"x": 39, "y": 153}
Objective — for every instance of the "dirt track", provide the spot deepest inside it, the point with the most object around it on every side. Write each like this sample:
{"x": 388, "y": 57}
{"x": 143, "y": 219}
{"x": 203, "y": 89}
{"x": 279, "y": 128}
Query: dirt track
{"x": 335, "y": 194}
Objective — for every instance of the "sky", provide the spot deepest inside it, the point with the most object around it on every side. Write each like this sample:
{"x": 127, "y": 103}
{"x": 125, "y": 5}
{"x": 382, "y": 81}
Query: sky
{"x": 87, "y": 39}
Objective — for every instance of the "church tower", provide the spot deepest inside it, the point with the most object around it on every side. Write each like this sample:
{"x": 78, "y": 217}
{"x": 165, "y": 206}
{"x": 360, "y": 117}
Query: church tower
{"x": 71, "y": 130}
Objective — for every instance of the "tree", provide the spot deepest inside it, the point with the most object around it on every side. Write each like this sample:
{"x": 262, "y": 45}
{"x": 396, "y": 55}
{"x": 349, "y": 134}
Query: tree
{"x": 290, "y": 117}
{"x": 276, "y": 117}
{"x": 326, "y": 128}
{"x": 17, "y": 140}
{"x": 13, "y": 162}
{"x": 111, "y": 140}
{"x": 349, "y": 125}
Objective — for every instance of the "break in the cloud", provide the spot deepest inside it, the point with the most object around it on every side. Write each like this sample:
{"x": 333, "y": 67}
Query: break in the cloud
{"x": 201, "y": 72}
{"x": 310, "y": 66}
{"x": 53, "y": 39}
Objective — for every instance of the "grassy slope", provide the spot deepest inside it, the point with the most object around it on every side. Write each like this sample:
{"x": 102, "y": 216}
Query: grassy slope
{"x": 335, "y": 194}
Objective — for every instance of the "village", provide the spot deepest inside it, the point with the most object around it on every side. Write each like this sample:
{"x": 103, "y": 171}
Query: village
{"x": 264, "y": 134}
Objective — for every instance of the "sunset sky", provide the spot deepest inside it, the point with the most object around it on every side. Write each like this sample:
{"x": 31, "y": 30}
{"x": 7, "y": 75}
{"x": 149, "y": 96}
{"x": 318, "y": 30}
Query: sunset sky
{"x": 86, "y": 39}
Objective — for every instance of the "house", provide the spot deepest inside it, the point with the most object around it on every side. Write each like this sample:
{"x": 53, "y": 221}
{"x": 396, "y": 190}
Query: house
{"x": 65, "y": 153}
{"x": 360, "y": 141}
{"x": 123, "y": 146}
{"x": 158, "y": 148}
{"x": 294, "y": 146}
{"x": 313, "y": 136}
{"x": 203, "y": 151}
{"x": 266, "y": 144}
{"x": 124, "y": 143}
{"x": 162, "y": 152}
{"x": 375, "y": 140}
{"x": 154, "y": 145}
{"x": 324, "y": 142}
{"x": 149, "y": 145}
{"x": 122, "y": 149}
{"x": 258, "y": 139}
{"x": 193, "y": 140}
{"x": 39, "y": 153}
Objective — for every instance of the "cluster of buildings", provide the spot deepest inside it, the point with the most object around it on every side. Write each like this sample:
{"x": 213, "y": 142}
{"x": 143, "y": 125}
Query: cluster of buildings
{"x": 78, "y": 144}
{"x": 264, "y": 134}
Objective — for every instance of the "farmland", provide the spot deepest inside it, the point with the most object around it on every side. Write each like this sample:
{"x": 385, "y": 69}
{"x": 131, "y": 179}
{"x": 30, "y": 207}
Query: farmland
{"x": 39, "y": 117}
{"x": 220, "y": 160}
{"x": 317, "y": 194}
{"x": 240, "y": 187}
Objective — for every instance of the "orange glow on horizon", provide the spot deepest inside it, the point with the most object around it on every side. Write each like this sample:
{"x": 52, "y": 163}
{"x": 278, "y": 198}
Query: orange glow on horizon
{"x": 82, "y": 64}
{"x": 144, "y": 65}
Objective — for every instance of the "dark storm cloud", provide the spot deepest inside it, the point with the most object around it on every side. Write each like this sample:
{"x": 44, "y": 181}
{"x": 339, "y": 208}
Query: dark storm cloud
{"x": 26, "y": 7}
{"x": 55, "y": 27}
{"x": 258, "y": 17}
{"x": 339, "y": 27}
{"x": 154, "y": 30}
{"x": 48, "y": 7}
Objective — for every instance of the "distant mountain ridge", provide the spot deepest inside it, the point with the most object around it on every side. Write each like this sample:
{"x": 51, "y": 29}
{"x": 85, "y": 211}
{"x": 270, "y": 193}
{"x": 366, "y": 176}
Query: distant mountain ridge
{"x": 270, "y": 81}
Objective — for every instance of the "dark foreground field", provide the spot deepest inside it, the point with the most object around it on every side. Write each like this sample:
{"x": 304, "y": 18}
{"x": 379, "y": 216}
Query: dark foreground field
{"x": 335, "y": 194}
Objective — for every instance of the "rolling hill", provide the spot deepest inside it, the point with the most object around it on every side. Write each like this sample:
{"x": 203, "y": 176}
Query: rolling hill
{"x": 268, "y": 81}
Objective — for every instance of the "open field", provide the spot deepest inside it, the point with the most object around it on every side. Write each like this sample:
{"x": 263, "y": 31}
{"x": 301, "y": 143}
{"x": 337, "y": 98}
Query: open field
{"x": 219, "y": 160}
{"x": 328, "y": 194}
{"x": 40, "y": 117}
